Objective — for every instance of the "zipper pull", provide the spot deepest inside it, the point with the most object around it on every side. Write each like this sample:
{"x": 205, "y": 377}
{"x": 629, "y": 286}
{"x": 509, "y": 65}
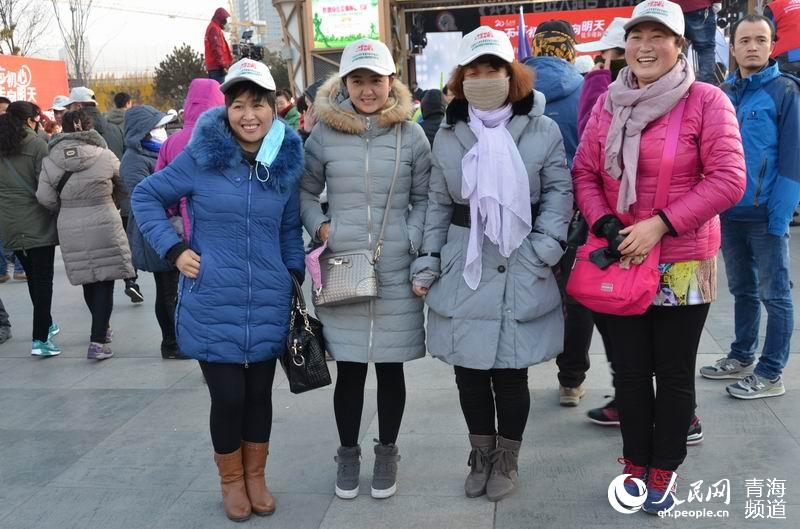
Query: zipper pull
{"x": 246, "y": 365}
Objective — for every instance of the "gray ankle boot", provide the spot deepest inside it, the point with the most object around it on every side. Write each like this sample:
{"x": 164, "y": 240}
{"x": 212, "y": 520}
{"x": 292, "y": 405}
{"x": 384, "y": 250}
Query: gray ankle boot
{"x": 384, "y": 475}
{"x": 347, "y": 475}
{"x": 480, "y": 467}
{"x": 503, "y": 477}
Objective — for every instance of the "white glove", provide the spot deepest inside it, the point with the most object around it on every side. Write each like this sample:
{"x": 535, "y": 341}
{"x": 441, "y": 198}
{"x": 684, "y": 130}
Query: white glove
{"x": 717, "y": 7}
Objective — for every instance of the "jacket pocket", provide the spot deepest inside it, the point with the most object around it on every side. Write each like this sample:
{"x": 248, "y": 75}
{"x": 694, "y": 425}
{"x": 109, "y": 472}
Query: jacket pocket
{"x": 534, "y": 290}
{"x": 760, "y": 180}
{"x": 332, "y": 235}
{"x": 442, "y": 295}
{"x": 409, "y": 243}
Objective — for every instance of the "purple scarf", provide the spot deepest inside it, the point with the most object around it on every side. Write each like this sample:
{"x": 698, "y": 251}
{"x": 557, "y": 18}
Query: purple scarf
{"x": 495, "y": 182}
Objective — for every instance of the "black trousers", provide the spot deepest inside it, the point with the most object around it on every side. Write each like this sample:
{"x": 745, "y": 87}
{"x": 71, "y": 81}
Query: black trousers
{"x": 348, "y": 400}
{"x": 99, "y": 298}
{"x": 38, "y": 265}
{"x": 482, "y": 390}
{"x": 663, "y": 343}
{"x": 573, "y": 362}
{"x": 166, "y": 301}
{"x": 135, "y": 273}
{"x": 241, "y": 403}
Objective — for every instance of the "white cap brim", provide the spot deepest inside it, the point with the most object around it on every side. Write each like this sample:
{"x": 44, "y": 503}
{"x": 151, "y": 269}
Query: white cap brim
{"x": 163, "y": 121}
{"x": 267, "y": 84}
{"x": 377, "y": 69}
{"x": 598, "y": 45}
{"x": 650, "y": 18}
{"x": 469, "y": 58}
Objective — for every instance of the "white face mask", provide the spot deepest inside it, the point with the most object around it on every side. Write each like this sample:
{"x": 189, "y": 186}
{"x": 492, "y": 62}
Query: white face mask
{"x": 159, "y": 134}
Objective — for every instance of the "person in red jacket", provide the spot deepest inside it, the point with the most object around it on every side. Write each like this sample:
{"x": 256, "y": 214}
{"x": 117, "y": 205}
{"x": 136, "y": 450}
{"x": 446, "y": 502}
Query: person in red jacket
{"x": 615, "y": 174}
{"x": 218, "y": 53}
{"x": 785, "y": 14}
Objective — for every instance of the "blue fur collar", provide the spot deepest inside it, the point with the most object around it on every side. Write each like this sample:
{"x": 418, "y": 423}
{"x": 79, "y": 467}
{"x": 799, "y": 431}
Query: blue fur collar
{"x": 214, "y": 148}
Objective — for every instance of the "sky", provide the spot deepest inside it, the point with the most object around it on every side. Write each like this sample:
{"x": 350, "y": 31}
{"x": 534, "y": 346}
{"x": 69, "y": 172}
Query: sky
{"x": 126, "y": 42}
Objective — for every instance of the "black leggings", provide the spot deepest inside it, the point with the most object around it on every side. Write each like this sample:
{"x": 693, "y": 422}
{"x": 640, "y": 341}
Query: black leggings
{"x": 99, "y": 298}
{"x": 480, "y": 389}
{"x": 662, "y": 342}
{"x": 348, "y": 400}
{"x": 241, "y": 403}
{"x": 166, "y": 300}
{"x": 573, "y": 361}
{"x": 38, "y": 265}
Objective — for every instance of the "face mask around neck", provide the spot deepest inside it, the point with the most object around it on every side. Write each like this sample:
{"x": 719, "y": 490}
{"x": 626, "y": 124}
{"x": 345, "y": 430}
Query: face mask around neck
{"x": 486, "y": 94}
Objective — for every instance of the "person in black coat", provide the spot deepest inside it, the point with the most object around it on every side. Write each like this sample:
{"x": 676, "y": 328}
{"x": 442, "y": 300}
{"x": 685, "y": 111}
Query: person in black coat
{"x": 432, "y": 107}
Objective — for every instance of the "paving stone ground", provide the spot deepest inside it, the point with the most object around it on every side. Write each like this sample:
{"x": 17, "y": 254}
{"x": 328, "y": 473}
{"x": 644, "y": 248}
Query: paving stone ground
{"x": 124, "y": 443}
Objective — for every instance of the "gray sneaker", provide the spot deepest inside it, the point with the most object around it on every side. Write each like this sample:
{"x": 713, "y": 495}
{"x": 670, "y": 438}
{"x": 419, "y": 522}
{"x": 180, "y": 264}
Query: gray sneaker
{"x": 347, "y": 475}
{"x": 727, "y": 368}
{"x": 756, "y": 387}
{"x": 384, "y": 474}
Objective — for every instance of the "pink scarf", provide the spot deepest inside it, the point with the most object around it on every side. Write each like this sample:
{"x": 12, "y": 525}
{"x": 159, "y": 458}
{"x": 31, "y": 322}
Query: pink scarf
{"x": 632, "y": 109}
{"x": 495, "y": 182}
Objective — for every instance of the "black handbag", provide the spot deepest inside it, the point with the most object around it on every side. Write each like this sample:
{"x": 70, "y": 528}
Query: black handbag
{"x": 304, "y": 361}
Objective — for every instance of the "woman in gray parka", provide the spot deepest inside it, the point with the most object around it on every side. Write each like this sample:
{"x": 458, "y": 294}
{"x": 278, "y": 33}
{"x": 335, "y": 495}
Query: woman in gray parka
{"x": 353, "y": 150}
{"x": 499, "y": 204}
{"x": 93, "y": 243}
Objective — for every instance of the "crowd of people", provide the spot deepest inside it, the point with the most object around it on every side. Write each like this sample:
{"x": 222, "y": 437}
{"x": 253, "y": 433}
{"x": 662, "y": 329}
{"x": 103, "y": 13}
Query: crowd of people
{"x": 474, "y": 211}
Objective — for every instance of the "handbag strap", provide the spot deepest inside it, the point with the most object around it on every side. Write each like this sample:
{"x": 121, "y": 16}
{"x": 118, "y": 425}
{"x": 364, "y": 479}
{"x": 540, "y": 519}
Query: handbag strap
{"x": 299, "y": 304}
{"x": 399, "y": 133}
{"x": 63, "y": 181}
{"x": 668, "y": 154}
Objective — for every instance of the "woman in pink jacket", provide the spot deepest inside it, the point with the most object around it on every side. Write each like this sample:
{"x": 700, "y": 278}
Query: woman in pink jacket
{"x": 615, "y": 174}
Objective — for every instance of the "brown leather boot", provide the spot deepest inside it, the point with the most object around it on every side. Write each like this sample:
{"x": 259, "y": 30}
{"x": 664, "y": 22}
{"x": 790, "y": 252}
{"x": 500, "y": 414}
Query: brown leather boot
{"x": 231, "y": 479}
{"x": 254, "y": 457}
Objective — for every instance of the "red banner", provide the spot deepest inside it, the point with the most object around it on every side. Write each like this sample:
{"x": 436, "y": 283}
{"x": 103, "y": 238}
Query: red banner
{"x": 588, "y": 24}
{"x": 35, "y": 80}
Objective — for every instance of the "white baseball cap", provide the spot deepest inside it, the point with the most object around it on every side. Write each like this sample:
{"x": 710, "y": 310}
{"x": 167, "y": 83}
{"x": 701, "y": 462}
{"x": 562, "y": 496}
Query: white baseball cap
{"x": 613, "y": 37}
{"x": 248, "y": 70}
{"x": 662, "y": 11}
{"x": 80, "y": 94}
{"x": 484, "y": 41}
{"x": 59, "y": 103}
{"x": 584, "y": 64}
{"x": 371, "y": 54}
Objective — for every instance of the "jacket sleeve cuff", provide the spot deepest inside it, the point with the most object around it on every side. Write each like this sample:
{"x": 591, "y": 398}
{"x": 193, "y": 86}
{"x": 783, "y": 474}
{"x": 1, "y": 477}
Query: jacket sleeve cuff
{"x": 174, "y": 252}
{"x": 597, "y": 227}
{"x": 669, "y": 225}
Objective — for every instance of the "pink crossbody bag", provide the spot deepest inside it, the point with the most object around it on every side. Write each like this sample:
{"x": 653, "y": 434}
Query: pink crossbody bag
{"x": 615, "y": 290}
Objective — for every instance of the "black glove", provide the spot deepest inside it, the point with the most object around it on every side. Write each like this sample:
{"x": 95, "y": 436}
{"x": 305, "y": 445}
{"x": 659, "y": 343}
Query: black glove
{"x": 609, "y": 227}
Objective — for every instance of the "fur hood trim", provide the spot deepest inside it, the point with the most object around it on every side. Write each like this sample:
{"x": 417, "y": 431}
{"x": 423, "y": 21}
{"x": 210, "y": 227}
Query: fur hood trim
{"x": 214, "y": 149}
{"x": 330, "y": 108}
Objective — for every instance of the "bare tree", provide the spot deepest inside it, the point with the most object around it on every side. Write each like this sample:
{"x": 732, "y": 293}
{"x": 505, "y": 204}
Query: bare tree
{"x": 22, "y": 22}
{"x": 73, "y": 26}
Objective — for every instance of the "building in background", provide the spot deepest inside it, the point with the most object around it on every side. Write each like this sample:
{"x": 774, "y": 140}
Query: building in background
{"x": 261, "y": 17}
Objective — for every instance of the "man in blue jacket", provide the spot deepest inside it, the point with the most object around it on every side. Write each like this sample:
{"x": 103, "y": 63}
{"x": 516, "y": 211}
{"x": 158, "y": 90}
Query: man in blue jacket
{"x": 755, "y": 232}
{"x": 557, "y": 78}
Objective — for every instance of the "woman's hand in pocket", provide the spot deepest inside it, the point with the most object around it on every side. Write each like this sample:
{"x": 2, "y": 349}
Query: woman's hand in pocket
{"x": 189, "y": 264}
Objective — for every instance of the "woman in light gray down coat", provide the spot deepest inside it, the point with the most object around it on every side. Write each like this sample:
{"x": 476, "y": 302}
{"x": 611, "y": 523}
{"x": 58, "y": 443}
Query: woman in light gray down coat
{"x": 352, "y": 149}
{"x": 499, "y": 204}
{"x": 93, "y": 243}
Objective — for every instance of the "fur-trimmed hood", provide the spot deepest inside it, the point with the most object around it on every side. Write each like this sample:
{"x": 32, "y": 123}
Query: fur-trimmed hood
{"x": 333, "y": 107}
{"x": 531, "y": 105}
{"x": 215, "y": 149}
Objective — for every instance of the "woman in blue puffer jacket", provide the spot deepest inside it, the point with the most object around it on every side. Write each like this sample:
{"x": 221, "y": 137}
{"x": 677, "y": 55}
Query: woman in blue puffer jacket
{"x": 240, "y": 174}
